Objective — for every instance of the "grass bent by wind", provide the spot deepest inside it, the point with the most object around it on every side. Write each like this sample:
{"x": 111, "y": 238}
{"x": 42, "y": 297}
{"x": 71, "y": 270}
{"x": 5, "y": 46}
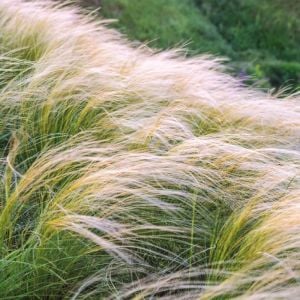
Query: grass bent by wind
{"x": 133, "y": 174}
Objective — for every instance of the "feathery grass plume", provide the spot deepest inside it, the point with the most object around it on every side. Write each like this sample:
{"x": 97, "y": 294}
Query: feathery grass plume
{"x": 133, "y": 174}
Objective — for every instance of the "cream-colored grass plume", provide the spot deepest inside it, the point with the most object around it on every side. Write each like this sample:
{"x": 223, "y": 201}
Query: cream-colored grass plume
{"x": 133, "y": 174}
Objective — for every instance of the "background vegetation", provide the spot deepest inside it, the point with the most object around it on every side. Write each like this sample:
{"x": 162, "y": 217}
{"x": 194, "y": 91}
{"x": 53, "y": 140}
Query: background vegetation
{"x": 261, "y": 37}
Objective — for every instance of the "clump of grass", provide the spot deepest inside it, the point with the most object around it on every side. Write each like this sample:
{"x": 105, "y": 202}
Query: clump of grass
{"x": 131, "y": 174}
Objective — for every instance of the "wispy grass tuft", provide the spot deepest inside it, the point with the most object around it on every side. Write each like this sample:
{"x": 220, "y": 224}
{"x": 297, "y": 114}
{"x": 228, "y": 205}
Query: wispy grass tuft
{"x": 131, "y": 174}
